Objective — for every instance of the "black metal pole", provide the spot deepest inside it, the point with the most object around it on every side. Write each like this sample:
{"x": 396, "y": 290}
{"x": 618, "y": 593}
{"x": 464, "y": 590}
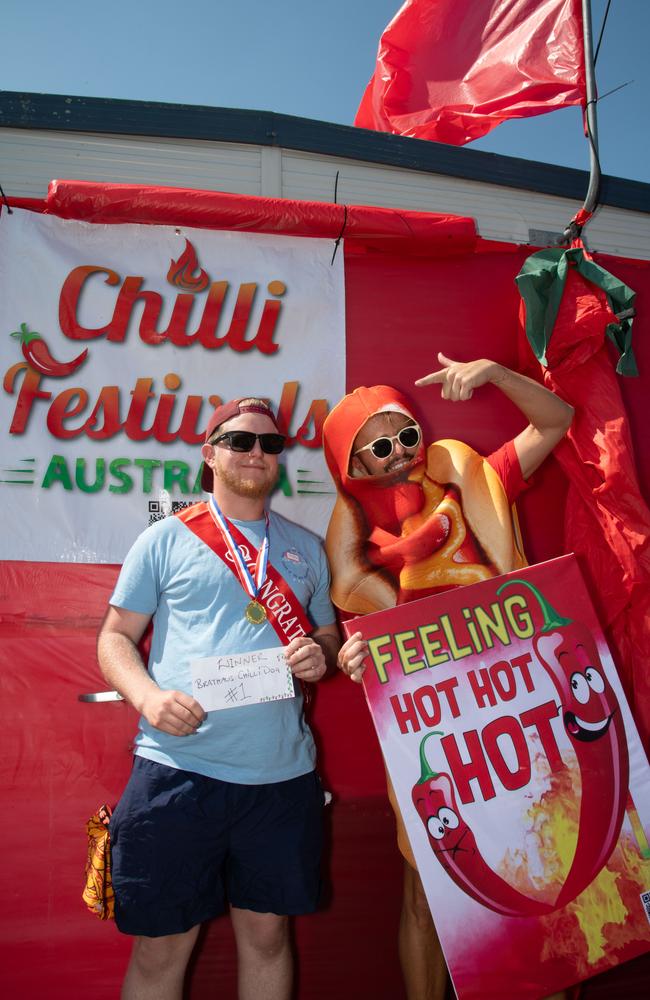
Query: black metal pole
{"x": 592, "y": 96}
{"x": 591, "y": 200}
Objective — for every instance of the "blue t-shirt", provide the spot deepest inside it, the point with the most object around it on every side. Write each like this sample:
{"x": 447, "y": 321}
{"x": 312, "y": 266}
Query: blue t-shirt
{"x": 198, "y": 607}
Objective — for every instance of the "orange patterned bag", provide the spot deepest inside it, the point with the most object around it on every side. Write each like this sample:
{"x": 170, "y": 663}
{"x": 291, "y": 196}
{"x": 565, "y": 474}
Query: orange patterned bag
{"x": 98, "y": 893}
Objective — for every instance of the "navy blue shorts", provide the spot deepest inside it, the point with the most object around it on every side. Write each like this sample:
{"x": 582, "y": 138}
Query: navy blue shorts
{"x": 182, "y": 844}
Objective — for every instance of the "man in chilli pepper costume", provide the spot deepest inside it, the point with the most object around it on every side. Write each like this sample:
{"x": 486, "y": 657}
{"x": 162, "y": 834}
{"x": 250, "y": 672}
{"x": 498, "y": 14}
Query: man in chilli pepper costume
{"x": 225, "y": 803}
{"x": 410, "y": 521}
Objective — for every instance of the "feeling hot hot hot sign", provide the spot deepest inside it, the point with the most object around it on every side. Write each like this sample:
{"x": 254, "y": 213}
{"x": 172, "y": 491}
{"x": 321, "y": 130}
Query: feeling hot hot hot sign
{"x": 520, "y": 777}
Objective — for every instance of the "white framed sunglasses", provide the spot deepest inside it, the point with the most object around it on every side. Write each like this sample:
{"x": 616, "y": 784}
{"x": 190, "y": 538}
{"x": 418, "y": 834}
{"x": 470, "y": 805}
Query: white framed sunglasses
{"x": 383, "y": 447}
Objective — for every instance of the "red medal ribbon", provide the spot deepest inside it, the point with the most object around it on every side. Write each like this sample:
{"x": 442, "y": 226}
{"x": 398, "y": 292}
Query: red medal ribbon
{"x": 285, "y": 612}
{"x": 250, "y": 581}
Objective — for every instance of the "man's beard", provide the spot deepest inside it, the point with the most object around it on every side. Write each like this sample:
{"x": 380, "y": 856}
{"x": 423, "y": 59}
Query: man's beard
{"x": 252, "y": 489}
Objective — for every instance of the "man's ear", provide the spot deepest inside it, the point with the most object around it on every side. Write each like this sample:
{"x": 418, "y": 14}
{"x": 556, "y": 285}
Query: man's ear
{"x": 357, "y": 468}
{"x": 206, "y": 453}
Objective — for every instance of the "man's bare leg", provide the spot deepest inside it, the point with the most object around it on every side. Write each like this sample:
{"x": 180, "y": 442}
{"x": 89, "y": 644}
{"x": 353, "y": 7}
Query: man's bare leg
{"x": 423, "y": 966}
{"x": 264, "y": 951}
{"x": 157, "y": 967}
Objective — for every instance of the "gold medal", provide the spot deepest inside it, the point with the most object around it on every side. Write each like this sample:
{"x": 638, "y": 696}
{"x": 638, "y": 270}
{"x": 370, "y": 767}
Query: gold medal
{"x": 255, "y": 613}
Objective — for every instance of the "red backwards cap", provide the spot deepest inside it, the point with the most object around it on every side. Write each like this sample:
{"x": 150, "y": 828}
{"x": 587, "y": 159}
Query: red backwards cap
{"x": 233, "y": 408}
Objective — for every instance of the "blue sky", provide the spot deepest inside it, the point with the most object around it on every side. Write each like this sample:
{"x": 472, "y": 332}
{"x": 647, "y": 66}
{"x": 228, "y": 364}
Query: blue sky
{"x": 298, "y": 57}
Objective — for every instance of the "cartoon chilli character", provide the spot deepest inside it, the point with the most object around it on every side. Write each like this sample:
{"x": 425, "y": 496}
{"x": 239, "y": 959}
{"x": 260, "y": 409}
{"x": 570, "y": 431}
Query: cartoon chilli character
{"x": 592, "y": 719}
{"x": 454, "y": 846}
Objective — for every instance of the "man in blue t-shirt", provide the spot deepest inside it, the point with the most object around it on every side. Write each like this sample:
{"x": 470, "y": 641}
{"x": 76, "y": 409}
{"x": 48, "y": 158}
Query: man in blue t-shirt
{"x": 221, "y": 805}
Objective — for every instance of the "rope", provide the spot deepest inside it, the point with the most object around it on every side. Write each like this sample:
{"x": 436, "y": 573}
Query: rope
{"x": 602, "y": 31}
{"x": 340, "y": 236}
{"x": 3, "y": 200}
{"x": 345, "y": 218}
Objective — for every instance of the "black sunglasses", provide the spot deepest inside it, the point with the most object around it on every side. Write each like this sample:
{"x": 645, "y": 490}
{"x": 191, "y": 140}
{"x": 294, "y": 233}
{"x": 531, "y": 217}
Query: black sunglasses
{"x": 271, "y": 444}
{"x": 383, "y": 447}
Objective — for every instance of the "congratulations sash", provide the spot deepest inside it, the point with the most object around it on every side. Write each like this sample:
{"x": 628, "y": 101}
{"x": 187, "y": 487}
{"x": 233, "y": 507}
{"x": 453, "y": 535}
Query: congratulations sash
{"x": 281, "y": 606}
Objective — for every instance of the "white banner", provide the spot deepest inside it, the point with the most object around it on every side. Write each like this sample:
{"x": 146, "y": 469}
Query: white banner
{"x": 117, "y": 342}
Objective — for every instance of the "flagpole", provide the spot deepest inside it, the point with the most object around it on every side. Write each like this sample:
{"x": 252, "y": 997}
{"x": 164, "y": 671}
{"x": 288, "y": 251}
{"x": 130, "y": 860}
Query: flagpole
{"x": 592, "y": 96}
{"x": 574, "y": 228}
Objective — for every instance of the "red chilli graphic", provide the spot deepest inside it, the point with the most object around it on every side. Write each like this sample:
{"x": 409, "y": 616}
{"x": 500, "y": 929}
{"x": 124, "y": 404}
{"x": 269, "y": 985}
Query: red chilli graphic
{"x": 37, "y": 354}
{"x": 454, "y": 845}
{"x": 592, "y": 719}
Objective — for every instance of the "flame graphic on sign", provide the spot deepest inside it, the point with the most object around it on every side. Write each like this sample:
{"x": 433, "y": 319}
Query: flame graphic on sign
{"x": 540, "y": 868}
{"x": 181, "y": 271}
{"x": 604, "y": 919}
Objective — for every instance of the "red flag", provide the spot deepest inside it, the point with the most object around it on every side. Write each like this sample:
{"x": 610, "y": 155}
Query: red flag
{"x": 452, "y": 70}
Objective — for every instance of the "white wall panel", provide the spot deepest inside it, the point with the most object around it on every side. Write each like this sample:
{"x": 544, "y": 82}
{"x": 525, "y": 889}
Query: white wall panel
{"x": 501, "y": 213}
{"x": 31, "y": 158}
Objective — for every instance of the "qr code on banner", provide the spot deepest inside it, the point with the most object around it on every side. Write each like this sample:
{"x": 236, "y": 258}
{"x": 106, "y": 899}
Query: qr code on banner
{"x": 645, "y": 899}
{"x": 162, "y": 508}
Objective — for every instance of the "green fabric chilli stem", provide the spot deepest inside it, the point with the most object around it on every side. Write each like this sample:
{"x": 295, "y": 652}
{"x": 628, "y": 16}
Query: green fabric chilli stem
{"x": 541, "y": 284}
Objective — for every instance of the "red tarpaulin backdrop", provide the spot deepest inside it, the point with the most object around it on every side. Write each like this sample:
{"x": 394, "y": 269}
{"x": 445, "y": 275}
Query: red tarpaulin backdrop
{"x": 406, "y": 298}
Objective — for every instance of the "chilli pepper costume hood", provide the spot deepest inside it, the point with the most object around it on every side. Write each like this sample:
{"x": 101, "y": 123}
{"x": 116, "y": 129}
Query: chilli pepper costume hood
{"x": 448, "y": 524}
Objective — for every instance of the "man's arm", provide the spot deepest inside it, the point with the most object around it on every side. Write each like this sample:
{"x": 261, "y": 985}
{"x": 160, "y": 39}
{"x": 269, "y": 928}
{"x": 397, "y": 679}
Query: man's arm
{"x": 173, "y": 712}
{"x": 549, "y": 416}
{"x": 312, "y": 656}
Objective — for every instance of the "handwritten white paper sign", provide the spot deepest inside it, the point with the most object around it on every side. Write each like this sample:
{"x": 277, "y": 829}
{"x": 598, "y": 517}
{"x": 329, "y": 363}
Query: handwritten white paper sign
{"x": 239, "y": 679}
